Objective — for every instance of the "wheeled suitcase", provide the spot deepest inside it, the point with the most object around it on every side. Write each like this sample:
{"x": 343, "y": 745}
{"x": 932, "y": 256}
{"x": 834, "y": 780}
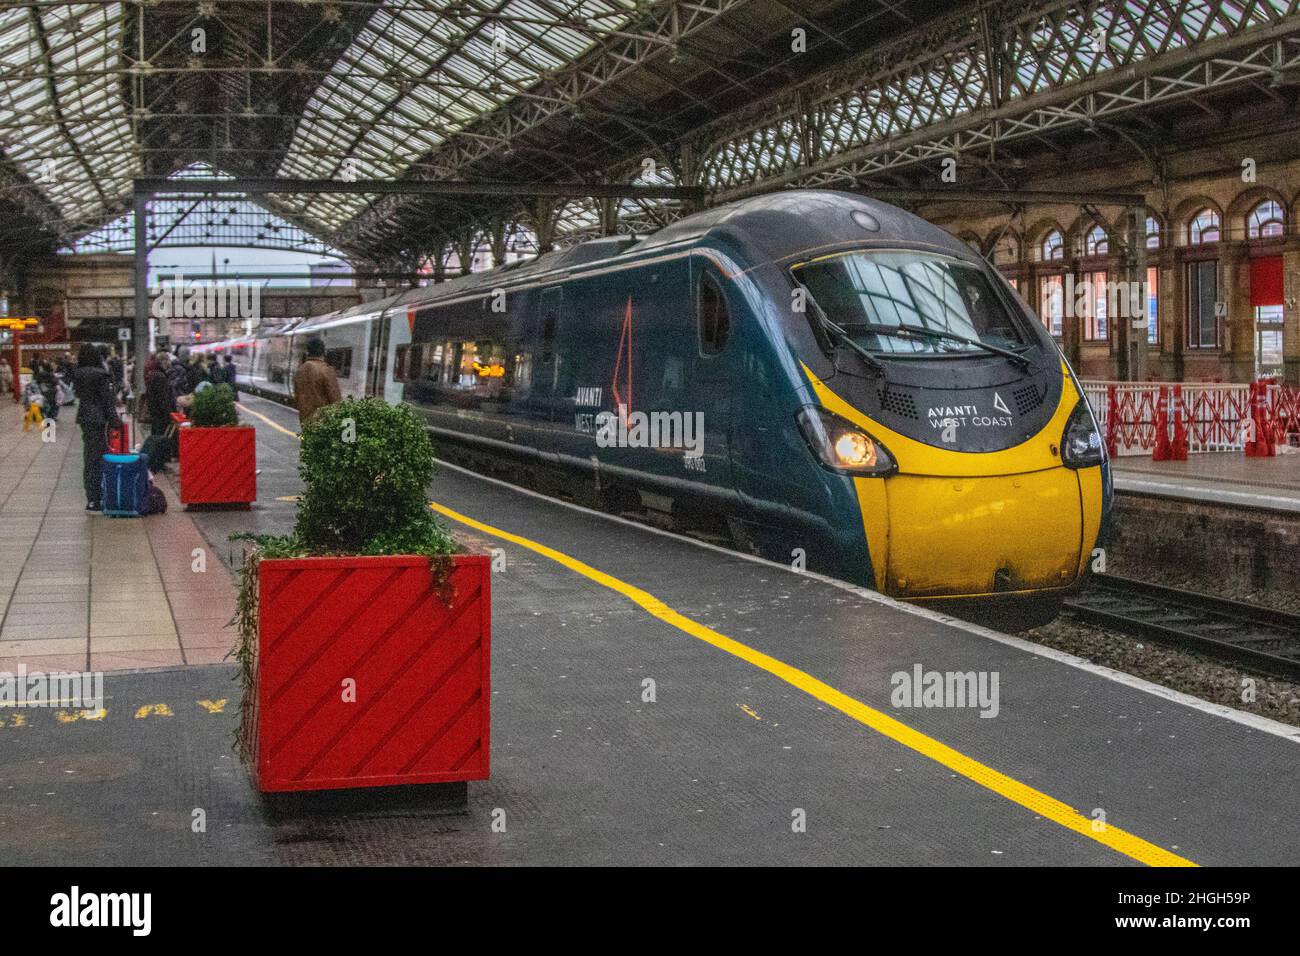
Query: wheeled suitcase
{"x": 125, "y": 487}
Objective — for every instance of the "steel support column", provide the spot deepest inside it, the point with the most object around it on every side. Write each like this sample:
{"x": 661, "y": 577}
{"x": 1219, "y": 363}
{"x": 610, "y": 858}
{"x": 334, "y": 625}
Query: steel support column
{"x": 1136, "y": 338}
{"x": 140, "y": 334}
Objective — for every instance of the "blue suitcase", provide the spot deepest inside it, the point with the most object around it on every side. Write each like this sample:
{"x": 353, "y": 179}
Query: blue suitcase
{"x": 125, "y": 485}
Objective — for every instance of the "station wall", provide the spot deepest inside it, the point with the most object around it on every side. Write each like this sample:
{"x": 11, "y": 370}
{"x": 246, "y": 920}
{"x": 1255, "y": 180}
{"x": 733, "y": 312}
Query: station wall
{"x": 1221, "y": 248}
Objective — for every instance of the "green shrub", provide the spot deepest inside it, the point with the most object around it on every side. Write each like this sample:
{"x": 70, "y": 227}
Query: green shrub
{"x": 214, "y": 407}
{"x": 367, "y": 466}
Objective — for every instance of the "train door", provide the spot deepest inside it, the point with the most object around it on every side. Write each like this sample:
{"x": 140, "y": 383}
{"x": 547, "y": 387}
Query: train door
{"x": 377, "y": 357}
{"x": 292, "y": 358}
{"x": 546, "y": 370}
{"x": 400, "y": 333}
{"x": 713, "y": 379}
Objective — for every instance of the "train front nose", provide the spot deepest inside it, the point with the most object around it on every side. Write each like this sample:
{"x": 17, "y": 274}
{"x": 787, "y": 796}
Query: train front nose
{"x": 944, "y": 536}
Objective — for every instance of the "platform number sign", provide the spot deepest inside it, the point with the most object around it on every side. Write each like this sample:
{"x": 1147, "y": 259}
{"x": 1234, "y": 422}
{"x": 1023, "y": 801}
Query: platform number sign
{"x": 124, "y": 335}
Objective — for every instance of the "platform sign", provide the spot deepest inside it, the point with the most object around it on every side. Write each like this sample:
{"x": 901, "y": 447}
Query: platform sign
{"x": 124, "y": 334}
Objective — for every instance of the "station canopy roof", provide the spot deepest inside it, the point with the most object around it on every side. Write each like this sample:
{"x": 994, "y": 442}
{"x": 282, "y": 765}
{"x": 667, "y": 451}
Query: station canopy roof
{"x": 94, "y": 94}
{"x": 731, "y": 96}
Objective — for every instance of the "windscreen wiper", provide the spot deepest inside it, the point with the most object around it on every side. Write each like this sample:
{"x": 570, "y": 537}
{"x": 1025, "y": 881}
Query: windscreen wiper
{"x": 845, "y": 339}
{"x": 952, "y": 337}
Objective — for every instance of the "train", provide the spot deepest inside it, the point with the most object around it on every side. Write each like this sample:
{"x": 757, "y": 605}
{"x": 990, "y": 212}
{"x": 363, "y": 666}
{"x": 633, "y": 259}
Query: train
{"x": 817, "y": 377}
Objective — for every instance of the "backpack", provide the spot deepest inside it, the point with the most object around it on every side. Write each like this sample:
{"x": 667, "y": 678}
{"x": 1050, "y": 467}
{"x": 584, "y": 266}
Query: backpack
{"x": 156, "y": 502}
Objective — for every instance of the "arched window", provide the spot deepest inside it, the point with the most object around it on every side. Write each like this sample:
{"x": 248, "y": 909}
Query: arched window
{"x": 1265, "y": 220}
{"x": 1204, "y": 228}
{"x": 1153, "y": 232}
{"x": 1053, "y": 247}
{"x": 1096, "y": 242}
{"x": 1006, "y": 250}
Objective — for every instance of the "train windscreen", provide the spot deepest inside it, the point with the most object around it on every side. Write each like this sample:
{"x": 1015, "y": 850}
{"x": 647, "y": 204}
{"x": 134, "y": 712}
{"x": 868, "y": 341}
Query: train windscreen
{"x": 910, "y": 303}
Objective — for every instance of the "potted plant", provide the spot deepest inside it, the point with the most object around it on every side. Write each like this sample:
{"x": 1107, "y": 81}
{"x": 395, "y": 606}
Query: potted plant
{"x": 364, "y": 636}
{"x": 218, "y": 455}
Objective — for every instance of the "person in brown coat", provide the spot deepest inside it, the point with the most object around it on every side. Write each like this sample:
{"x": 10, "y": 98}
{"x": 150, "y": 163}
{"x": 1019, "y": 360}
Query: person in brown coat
{"x": 314, "y": 384}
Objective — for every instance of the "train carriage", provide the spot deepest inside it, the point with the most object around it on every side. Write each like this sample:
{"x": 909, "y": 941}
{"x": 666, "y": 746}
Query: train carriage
{"x": 823, "y": 378}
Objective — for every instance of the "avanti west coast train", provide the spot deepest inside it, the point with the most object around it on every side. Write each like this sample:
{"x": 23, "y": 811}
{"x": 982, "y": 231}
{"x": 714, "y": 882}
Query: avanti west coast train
{"x": 828, "y": 379}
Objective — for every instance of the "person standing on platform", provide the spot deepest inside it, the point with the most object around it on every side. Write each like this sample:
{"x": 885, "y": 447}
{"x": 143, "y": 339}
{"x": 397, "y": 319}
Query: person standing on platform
{"x": 114, "y": 366}
{"x": 49, "y": 386}
{"x": 232, "y": 377}
{"x": 195, "y": 372}
{"x": 158, "y": 396}
{"x": 314, "y": 384}
{"x": 176, "y": 373}
{"x": 96, "y": 414}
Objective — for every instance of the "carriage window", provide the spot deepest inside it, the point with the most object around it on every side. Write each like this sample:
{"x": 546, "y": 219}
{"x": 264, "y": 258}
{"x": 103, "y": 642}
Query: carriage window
{"x": 551, "y": 300}
{"x": 340, "y": 360}
{"x": 715, "y": 321}
{"x": 406, "y": 363}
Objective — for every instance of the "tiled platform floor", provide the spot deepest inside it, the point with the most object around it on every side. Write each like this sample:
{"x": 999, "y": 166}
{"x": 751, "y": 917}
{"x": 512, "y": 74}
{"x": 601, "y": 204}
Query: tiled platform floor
{"x": 1231, "y": 467}
{"x": 81, "y": 590}
{"x": 1224, "y": 478}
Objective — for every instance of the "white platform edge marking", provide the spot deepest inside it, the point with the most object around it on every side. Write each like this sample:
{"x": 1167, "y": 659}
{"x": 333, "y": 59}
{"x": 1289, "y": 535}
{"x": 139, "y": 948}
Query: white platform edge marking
{"x": 1252, "y": 721}
{"x": 1205, "y": 494}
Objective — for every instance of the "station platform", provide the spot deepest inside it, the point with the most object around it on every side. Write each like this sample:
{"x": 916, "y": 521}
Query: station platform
{"x": 657, "y": 700}
{"x": 1228, "y": 478}
{"x": 79, "y": 590}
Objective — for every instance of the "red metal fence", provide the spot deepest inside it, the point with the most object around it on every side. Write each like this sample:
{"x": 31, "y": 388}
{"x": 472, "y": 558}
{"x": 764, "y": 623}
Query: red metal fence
{"x": 1152, "y": 418}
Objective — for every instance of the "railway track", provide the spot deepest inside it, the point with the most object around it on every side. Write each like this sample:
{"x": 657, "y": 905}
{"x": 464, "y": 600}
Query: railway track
{"x": 1260, "y": 638}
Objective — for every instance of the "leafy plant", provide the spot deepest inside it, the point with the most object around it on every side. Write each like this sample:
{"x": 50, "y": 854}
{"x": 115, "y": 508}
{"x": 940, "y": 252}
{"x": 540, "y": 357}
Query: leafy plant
{"x": 214, "y": 407}
{"x": 366, "y": 466}
{"x": 245, "y": 623}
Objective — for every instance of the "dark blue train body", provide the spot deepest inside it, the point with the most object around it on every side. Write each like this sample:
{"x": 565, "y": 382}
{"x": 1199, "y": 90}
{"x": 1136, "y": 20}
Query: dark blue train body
{"x": 827, "y": 379}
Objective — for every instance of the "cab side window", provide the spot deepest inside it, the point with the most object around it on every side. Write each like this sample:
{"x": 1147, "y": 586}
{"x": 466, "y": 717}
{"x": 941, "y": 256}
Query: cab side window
{"x": 714, "y": 318}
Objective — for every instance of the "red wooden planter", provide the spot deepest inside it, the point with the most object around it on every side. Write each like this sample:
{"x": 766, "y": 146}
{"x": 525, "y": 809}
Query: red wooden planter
{"x": 218, "y": 465}
{"x": 420, "y": 671}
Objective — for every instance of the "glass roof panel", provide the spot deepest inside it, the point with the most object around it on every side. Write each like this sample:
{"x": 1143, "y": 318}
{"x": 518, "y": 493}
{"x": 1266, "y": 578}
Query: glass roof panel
{"x": 413, "y": 77}
{"x": 60, "y": 105}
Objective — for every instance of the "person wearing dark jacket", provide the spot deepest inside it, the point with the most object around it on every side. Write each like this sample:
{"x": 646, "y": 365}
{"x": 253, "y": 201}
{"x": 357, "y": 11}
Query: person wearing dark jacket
{"x": 231, "y": 377}
{"x": 96, "y": 414}
{"x": 158, "y": 397}
{"x": 176, "y": 376}
{"x": 195, "y": 374}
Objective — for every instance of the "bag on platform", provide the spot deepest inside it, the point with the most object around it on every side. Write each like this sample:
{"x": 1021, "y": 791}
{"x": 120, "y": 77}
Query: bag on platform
{"x": 157, "y": 449}
{"x": 156, "y": 504}
{"x": 125, "y": 485}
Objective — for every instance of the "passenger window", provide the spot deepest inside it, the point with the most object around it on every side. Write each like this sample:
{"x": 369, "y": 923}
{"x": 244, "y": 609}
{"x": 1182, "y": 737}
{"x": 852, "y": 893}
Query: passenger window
{"x": 340, "y": 360}
{"x": 715, "y": 321}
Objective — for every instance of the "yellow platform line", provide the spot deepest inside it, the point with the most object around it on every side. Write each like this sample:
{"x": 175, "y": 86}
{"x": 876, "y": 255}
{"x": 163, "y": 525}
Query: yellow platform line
{"x": 1040, "y": 803}
{"x": 276, "y": 425}
{"x": 1026, "y": 796}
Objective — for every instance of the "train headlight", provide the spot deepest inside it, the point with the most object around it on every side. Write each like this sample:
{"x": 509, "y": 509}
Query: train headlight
{"x": 1081, "y": 445}
{"x": 841, "y": 445}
